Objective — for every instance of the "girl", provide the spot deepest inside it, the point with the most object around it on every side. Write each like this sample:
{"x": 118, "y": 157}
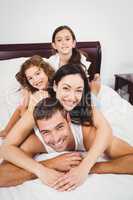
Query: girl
{"x": 64, "y": 45}
{"x": 33, "y": 76}
{"x": 70, "y": 85}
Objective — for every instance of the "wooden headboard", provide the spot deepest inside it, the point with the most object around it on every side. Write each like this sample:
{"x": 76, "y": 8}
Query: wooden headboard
{"x": 92, "y": 49}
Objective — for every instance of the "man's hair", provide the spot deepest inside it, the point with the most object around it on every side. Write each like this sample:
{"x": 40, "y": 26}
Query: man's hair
{"x": 46, "y": 108}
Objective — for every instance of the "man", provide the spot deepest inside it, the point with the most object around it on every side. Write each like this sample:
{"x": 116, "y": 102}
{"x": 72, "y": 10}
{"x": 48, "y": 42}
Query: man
{"x": 58, "y": 134}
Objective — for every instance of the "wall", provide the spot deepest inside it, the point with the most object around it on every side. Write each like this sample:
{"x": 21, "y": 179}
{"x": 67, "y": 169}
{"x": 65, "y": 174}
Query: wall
{"x": 110, "y": 22}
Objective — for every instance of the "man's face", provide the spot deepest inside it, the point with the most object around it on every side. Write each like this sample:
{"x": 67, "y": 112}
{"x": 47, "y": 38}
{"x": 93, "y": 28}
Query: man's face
{"x": 55, "y": 131}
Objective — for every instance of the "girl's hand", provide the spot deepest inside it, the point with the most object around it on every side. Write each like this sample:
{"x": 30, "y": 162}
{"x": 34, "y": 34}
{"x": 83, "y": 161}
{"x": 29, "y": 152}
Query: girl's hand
{"x": 71, "y": 180}
{"x": 35, "y": 98}
{"x": 95, "y": 84}
{"x": 3, "y": 133}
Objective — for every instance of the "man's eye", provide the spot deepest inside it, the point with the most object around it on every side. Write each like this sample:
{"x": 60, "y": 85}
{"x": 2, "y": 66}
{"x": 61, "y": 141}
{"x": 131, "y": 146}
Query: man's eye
{"x": 45, "y": 133}
{"x": 60, "y": 127}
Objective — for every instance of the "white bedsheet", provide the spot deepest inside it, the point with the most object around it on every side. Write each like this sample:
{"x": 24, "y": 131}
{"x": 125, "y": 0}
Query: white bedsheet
{"x": 96, "y": 187}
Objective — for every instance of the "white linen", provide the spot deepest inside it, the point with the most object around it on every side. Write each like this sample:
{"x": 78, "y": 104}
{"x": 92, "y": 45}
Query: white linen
{"x": 96, "y": 187}
{"x": 118, "y": 112}
{"x": 9, "y": 95}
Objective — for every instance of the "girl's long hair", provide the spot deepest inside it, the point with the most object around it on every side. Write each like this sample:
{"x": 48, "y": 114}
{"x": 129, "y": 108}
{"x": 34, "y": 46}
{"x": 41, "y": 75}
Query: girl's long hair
{"x": 37, "y": 61}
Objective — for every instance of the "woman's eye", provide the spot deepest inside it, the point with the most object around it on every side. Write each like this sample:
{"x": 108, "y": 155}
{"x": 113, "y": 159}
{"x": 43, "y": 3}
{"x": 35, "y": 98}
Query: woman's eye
{"x": 79, "y": 91}
{"x": 65, "y": 88}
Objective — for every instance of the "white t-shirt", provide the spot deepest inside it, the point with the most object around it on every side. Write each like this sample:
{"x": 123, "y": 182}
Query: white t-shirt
{"x": 54, "y": 61}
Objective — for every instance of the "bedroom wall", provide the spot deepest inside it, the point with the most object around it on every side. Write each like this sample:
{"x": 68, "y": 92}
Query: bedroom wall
{"x": 110, "y": 22}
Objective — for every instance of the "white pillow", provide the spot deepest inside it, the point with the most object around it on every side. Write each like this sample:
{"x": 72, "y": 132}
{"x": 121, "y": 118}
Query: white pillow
{"x": 9, "y": 96}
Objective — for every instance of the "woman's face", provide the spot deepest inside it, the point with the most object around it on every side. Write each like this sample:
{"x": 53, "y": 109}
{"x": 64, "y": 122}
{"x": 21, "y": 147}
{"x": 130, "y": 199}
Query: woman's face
{"x": 69, "y": 91}
{"x": 36, "y": 77}
{"x": 64, "y": 42}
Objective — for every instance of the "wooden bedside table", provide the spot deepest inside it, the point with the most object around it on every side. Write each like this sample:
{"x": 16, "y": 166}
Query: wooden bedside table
{"x": 122, "y": 80}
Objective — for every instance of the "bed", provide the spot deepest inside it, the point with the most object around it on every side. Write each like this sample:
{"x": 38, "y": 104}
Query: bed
{"x": 110, "y": 186}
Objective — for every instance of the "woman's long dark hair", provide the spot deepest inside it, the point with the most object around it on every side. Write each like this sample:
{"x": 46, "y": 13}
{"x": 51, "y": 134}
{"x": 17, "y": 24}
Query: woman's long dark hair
{"x": 82, "y": 113}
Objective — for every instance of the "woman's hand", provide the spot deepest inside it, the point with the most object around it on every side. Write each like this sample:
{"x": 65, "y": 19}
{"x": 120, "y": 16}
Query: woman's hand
{"x": 48, "y": 176}
{"x": 72, "y": 179}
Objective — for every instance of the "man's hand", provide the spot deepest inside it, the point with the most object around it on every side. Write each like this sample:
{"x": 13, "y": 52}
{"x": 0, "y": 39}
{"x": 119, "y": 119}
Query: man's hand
{"x": 66, "y": 161}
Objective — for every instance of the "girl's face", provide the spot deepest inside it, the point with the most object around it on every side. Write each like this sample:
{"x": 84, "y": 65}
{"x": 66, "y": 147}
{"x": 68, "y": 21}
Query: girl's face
{"x": 69, "y": 91}
{"x": 36, "y": 77}
{"x": 64, "y": 42}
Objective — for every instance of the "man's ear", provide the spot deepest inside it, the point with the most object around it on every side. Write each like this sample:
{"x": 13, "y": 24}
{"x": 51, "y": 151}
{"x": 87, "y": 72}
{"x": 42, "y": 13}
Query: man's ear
{"x": 54, "y": 87}
{"x": 53, "y": 45}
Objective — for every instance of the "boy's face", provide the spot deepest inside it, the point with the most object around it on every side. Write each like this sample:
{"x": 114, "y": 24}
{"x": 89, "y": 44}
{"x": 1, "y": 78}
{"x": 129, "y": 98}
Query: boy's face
{"x": 55, "y": 131}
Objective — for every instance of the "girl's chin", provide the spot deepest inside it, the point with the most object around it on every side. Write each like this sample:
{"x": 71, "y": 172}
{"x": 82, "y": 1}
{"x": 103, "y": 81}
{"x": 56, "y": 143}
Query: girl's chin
{"x": 68, "y": 108}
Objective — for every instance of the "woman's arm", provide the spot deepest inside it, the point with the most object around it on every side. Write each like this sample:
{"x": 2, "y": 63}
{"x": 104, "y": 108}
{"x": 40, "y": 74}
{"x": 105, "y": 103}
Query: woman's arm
{"x": 103, "y": 137}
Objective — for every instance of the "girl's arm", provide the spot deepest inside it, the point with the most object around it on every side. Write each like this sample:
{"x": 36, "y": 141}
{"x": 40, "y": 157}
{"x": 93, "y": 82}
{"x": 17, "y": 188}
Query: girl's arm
{"x": 17, "y": 113}
{"x": 14, "y": 118}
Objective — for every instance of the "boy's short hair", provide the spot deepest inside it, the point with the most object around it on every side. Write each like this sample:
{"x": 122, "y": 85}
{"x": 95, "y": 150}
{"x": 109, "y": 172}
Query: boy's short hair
{"x": 46, "y": 108}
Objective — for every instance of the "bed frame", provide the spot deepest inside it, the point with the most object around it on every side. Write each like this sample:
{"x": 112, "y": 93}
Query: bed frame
{"x": 92, "y": 50}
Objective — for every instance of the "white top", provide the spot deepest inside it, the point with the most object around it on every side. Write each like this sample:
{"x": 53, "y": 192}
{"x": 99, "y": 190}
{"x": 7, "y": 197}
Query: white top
{"x": 54, "y": 61}
{"x": 77, "y": 134}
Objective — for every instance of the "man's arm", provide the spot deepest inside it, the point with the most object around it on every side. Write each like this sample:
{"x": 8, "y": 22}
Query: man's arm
{"x": 11, "y": 175}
